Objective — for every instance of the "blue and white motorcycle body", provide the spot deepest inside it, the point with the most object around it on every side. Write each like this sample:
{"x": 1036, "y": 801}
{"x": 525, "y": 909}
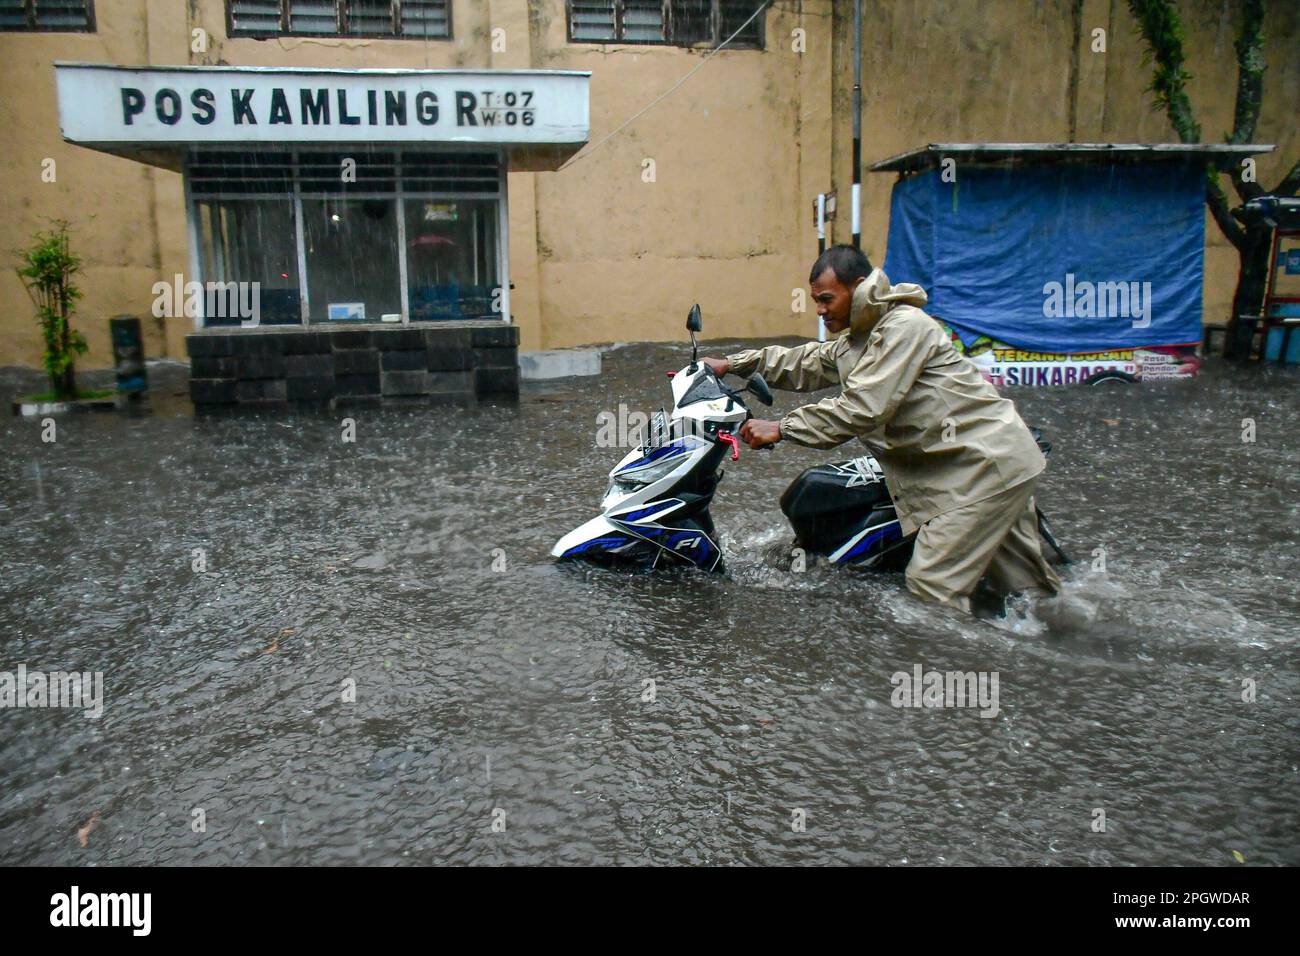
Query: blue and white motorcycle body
{"x": 656, "y": 509}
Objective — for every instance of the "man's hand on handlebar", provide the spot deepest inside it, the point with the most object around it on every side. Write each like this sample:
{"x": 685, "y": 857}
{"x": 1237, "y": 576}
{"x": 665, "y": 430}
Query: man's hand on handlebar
{"x": 720, "y": 366}
{"x": 759, "y": 433}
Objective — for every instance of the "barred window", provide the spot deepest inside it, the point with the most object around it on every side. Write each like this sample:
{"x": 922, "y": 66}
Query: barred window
{"x": 48, "y": 15}
{"x": 408, "y": 19}
{"x": 670, "y": 22}
{"x": 288, "y": 221}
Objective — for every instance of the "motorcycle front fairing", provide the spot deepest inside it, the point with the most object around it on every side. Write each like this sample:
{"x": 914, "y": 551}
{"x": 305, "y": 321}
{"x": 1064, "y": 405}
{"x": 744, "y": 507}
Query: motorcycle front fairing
{"x": 656, "y": 508}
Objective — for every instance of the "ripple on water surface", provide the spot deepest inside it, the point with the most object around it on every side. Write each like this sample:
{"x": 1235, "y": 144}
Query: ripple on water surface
{"x": 491, "y": 679}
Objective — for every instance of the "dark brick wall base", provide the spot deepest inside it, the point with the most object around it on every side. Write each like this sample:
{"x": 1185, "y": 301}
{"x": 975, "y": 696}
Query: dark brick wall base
{"x": 453, "y": 362}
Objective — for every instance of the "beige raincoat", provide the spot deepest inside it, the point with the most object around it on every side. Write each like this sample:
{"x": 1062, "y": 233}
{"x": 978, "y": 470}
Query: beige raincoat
{"x": 948, "y": 442}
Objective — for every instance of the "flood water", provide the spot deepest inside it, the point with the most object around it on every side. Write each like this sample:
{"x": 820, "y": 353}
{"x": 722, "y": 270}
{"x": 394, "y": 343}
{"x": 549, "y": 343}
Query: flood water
{"x": 492, "y": 685}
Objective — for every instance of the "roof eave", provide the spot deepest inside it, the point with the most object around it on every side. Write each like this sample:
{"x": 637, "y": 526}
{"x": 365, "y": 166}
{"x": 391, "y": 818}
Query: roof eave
{"x": 931, "y": 154}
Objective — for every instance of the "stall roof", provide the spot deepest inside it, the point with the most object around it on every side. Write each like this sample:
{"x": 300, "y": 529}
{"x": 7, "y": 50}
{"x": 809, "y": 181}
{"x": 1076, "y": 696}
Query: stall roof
{"x": 928, "y": 156}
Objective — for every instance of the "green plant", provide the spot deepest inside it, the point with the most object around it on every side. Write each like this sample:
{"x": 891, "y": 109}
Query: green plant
{"x": 47, "y": 272}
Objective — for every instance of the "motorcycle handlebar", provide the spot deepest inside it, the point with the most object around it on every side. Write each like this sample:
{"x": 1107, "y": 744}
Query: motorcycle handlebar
{"x": 764, "y": 395}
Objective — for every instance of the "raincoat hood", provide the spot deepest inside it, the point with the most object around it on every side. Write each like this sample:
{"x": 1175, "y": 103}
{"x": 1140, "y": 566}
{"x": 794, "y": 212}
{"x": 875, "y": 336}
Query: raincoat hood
{"x": 874, "y": 296}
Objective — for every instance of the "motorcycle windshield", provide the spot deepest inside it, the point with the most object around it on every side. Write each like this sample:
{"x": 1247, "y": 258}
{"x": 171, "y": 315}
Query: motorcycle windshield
{"x": 705, "y": 389}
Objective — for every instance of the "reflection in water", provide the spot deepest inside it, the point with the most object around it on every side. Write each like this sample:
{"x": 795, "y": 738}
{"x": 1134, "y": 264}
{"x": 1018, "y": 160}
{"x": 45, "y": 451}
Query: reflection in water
{"x": 371, "y": 565}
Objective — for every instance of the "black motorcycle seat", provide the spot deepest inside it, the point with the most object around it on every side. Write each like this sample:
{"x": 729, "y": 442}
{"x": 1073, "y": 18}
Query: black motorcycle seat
{"x": 836, "y": 488}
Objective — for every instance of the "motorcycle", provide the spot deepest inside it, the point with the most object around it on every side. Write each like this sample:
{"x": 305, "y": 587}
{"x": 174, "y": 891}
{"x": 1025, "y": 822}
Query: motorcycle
{"x": 655, "y": 510}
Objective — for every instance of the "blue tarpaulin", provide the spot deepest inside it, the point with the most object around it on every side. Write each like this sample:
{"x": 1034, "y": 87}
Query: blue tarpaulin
{"x": 1056, "y": 258}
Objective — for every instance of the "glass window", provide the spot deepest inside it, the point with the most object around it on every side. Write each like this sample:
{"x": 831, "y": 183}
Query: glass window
{"x": 593, "y": 21}
{"x": 73, "y": 16}
{"x": 370, "y": 17}
{"x": 677, "y": 22}
{"x": 446, "y": 201}
{"x": 245, "y": 241}
{"x": 312, "y": 16}
{"x": 692, "y": 22}
{"x": 733, "y": 15}
{"x": 352, "y": 258}
{"x": 451, "y": 259}
{"x": 643, "y": 22}
{"x": 424, "y": 19}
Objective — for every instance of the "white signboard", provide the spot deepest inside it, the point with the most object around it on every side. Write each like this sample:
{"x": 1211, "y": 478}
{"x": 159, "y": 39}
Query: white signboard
{"x": 161, "y": 106}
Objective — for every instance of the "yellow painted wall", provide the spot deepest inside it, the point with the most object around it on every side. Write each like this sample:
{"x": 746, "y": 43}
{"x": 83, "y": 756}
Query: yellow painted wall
{"x": 740, "y": 150}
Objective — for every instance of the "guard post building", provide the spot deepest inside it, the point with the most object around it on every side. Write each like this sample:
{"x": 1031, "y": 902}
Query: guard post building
{"x": 347, "y": 228}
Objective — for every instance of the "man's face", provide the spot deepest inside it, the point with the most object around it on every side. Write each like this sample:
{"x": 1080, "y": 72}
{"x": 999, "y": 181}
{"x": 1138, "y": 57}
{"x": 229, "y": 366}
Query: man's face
{"x": 833, "y": 299}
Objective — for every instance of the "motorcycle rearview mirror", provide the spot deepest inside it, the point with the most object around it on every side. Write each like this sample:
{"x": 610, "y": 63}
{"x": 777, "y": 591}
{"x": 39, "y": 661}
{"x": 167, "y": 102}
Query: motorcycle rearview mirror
{"x": 758, "y": 386}
{"x": 694, "y": 323}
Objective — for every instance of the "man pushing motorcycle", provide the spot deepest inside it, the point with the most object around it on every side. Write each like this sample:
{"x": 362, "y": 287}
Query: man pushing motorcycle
{"x": 960, "y": 464}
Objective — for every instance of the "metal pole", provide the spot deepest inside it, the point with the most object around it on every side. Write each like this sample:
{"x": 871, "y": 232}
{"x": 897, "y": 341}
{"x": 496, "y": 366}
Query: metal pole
{"x": 857, "y": 123}
{"x": 821, "y": 223}
{"x": 821, "y": 247}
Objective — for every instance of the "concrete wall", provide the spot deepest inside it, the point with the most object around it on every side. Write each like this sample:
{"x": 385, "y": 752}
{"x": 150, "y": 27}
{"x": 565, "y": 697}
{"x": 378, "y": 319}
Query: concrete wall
{"x": 126, "y": 241}
{"x": 740, "y": 150}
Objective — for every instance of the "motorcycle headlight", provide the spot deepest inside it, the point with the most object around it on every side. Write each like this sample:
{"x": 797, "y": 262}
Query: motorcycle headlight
{"x": 638, "y": 476}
